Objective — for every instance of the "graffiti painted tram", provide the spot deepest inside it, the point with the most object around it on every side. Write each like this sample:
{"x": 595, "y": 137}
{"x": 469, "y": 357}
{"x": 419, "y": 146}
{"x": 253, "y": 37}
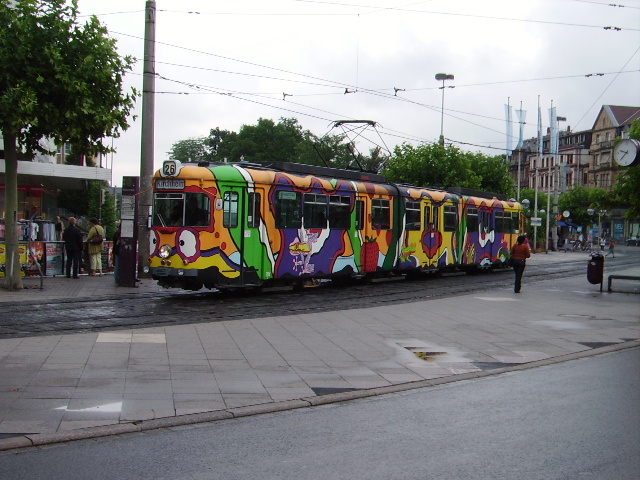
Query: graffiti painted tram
{"x": 239, "y": 225}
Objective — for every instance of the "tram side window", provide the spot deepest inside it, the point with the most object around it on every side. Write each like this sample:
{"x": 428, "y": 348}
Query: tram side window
{"x": 339, "y": 212}
{"x": 315, "y": 210}
{"x": 253, "y": 219}
{"x": 485, "y": 221}
{"x": 472, "y": 219}
{"x": 511, "y": 222}
{"x": 413, "y": 215}
{"x": 450, "y": 218}
{"x": 505, "y": 222}
{"x": 381, "y": 214}
{"x": 436, "y": 218}
{"x": 288, "y": 206}
{"x": 359, "y": 215}
{"x": 230, "y": 210}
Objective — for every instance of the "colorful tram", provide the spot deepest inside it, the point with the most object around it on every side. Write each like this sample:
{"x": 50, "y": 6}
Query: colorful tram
{"x": 239, "y": 225}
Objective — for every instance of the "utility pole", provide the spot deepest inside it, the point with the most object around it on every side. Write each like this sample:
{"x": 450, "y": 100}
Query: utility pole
{"x": 146, "y": 151}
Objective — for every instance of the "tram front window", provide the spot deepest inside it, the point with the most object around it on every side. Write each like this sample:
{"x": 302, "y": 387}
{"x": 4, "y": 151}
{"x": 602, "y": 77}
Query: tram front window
{"x": 181, "y": 210}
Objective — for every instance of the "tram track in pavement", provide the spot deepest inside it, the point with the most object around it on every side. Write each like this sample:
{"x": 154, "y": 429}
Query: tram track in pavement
{"x": 105, "y": 314}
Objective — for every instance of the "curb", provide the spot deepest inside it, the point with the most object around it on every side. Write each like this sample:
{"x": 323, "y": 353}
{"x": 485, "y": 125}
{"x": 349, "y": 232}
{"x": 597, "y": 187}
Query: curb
{"x": 36, "y": 440}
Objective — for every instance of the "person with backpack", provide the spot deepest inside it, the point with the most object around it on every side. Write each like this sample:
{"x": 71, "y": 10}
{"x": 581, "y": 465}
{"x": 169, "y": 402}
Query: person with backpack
{"x": 95, "y": 237}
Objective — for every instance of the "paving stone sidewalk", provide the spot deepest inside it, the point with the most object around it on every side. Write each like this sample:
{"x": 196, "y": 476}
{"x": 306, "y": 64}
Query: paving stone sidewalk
{"x": 61, "y": 383}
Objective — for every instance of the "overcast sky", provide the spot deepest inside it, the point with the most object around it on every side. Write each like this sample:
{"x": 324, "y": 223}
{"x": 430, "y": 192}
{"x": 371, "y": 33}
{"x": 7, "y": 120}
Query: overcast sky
{"x": 227, "y": 63}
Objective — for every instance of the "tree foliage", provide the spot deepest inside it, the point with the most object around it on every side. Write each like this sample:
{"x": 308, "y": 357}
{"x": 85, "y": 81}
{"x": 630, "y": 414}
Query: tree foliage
{"x": 447, "y": 166}
{"x": 493, "y": 172}
{"x": 191, "y": 150}
{"x": 578, "y": 200}
{"x": 58, "y": 80}
{"x": 268, "y": 141}
{"x": 431, "y": 164}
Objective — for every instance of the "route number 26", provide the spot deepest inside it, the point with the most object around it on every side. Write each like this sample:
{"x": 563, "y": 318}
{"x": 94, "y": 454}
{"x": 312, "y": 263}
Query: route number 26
{"x": 170, "y": 168}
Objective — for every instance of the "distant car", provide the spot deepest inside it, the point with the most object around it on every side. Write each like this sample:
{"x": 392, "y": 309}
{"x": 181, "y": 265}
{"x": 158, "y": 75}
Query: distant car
{"x": 633, "y": 241}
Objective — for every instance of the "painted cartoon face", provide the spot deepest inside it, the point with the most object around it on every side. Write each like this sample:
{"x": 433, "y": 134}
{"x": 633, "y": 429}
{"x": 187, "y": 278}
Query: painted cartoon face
{"x": 188, "y": 244}
{"x": 154, "y": 243}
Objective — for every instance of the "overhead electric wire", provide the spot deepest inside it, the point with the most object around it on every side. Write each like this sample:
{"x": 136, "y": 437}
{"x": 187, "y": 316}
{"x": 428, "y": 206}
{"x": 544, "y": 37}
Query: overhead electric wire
{"x": 333, "y": 84}
{"x": 608, "y": 86}
{"x": 485, "y": 17}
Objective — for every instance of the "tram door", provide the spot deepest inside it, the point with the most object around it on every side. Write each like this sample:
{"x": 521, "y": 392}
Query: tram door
{"x": 241, "y": 216}
{"x": 432, "y": 237}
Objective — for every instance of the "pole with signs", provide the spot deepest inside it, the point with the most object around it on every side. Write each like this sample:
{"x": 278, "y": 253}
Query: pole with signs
{"x": 129, "y": 233}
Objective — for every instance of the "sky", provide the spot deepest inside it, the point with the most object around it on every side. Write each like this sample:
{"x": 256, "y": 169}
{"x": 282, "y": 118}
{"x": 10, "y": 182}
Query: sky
{"x": 227, "y": 63}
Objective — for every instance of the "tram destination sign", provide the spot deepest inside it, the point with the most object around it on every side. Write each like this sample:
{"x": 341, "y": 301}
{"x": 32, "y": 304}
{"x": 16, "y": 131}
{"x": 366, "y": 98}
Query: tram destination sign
{"x": 169, "y": 184}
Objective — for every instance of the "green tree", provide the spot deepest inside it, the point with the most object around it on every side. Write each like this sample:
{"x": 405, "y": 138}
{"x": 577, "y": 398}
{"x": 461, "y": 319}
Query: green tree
{"x": 191, "y": 150}
{"x": 493, "y": 172}
{"x": 214, "y": 140}
{"x": 285, "y": 141}
{"x": 627, "y": 188}
{"x": 433, "y": 165}
{"x": 265, "y": 142}
{"x": 108, "y": 217}
{"x": 578, "y": 200}
{"x": 58, "y": 80}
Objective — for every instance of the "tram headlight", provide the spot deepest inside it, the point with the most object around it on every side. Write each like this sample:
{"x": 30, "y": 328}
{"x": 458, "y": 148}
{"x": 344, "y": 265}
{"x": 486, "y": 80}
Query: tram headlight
{"x": 165, "y": 251}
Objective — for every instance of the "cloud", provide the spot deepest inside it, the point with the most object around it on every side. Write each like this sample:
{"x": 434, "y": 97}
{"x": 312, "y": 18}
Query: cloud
{"x": 244, "y": 55}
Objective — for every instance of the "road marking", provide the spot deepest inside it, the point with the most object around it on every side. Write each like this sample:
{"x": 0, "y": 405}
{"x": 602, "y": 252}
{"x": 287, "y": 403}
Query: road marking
{"x": 131, "y": 338}
{"x": 498, "y": 299}
{"x": 109, "y": 407}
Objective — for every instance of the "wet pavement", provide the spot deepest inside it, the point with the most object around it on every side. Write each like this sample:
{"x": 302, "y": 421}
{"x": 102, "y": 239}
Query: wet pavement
{"x": 65, "y": 386}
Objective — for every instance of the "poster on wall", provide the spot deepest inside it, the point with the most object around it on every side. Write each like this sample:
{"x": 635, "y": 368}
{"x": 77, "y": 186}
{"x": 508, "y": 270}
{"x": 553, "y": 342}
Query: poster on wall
{"x": 22, "y": 251}
{"x": 34, "y": 261}
{"x": 54, "y": 260}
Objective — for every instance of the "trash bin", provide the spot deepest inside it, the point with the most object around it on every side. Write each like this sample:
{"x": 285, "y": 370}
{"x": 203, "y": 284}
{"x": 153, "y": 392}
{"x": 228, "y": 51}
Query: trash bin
{"x": 595, "y": 269}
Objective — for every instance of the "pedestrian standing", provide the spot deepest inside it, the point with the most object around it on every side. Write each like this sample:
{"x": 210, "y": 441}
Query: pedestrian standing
{"x": 116, "y": 254}
{"x": 611, "y": 247}
{"x": 59, "y": 227}
{"x": 519, "y": 254}
{"x": 73, "y": 244}
{"x": 95, "y": 237}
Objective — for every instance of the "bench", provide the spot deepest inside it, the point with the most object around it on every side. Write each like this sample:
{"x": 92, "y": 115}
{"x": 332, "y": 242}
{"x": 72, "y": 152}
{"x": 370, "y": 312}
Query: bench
{"x": 620, "y": 277}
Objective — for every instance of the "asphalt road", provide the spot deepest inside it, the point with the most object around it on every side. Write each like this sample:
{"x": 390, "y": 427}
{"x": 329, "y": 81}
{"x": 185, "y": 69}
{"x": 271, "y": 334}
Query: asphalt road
{"x": 575, "y": 420}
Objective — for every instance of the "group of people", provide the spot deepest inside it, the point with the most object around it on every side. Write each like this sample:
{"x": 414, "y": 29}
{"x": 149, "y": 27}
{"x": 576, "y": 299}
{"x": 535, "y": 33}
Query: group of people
{"x": 73, "y": 238}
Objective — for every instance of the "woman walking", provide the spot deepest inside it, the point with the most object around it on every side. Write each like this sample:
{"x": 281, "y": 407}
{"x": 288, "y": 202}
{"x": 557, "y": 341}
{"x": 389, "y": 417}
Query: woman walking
{"x": 519, "y": 254}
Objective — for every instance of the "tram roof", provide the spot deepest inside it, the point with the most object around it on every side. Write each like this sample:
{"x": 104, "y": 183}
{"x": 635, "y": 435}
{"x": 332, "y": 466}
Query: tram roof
{"x": 317, "y": 170}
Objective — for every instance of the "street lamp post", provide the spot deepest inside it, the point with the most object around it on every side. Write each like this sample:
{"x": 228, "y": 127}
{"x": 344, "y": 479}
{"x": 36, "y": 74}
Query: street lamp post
{"x": 442, "y": 77}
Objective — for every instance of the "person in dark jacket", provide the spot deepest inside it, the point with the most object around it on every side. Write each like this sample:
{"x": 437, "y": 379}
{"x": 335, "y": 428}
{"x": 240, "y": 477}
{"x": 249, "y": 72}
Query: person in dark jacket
{"x": 519, "y": 254}
{"x": 73, "y": 244}
{"x": 116, "y": 254}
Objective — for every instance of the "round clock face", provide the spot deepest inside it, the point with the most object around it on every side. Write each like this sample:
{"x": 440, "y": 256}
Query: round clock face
{"x": 626, "y": 152}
